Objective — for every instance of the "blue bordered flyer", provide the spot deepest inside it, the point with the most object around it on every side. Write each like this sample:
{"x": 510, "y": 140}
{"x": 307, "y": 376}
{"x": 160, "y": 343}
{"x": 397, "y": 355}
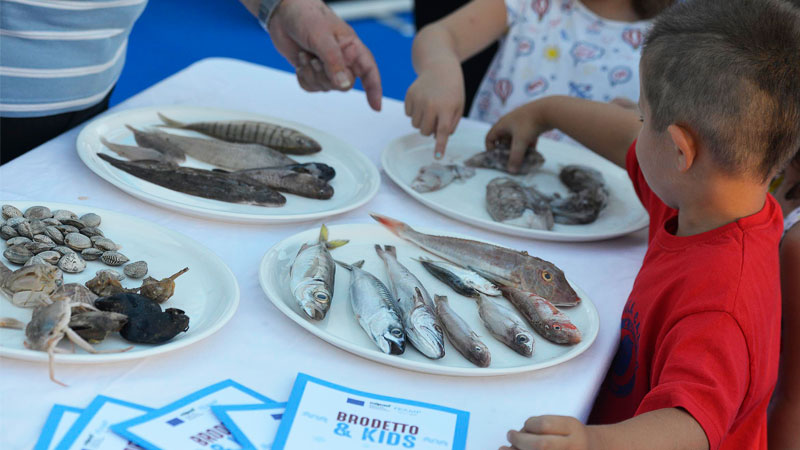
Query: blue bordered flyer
{"x": 189, "y": 423}
{"x": 320, "y": 414}
{"x": 58, "y": 422}
{"x": 91, "y": 430}
{"x": 253, "y": 426}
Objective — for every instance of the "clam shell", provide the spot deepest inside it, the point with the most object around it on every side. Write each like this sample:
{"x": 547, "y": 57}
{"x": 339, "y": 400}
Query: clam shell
{"x": 10, "y": 211}
{"x": 54, "y": 234}
{"x": 77, "y": 241}
{"x": 14, "y": 221}
{"x": 113, "y": 258}
{"x": 37, "y": 226}
{"x": 63, "y": 249}
{"x": 51, "y": 222}
{"x": 50, "y": 256}
{"x": 91, "y": 220}
{"x": 66, "y": 229}
{"x": 38, "y": 247}
{"x": 136, "y": 269}
{"x": 44, "y": 239}
{"x": 24, "y": 229}
{"x": 72, "y": 263}
{"x": 62, "y": 214}
{"x": 36, "y": 259}
{"x": 7, "y": 232}
{"x": 106, "y": 245}
{"x": 18, "y": 254}
{"x": 91, "y": 254}
{"x": 92, "y": 231}
{"x": 74, "y": 223}
{"x": 111, "y": 273}
{"x": 17, "y": 240}
{"x": 38, "y": 212}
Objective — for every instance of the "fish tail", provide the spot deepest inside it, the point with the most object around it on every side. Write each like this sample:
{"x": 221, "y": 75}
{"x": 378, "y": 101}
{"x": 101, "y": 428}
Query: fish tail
{"x": 323, "y": 233}
{"x": 395, "y": 226}
{"x": 358, "y": 264}
{"x": 439, "y": 298}
{"x": 390, "y": 250}
{"x": 105, "y": 142}
{"x": 330, "y": 245}
{"x": 170, "y": 123}
{"x": 133, "y": 130}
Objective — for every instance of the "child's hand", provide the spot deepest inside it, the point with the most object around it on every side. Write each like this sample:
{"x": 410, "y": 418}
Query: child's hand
{"x": 435, "y": 102}
{"x": 549, "y": 432}
{"x": 519, "y": 130}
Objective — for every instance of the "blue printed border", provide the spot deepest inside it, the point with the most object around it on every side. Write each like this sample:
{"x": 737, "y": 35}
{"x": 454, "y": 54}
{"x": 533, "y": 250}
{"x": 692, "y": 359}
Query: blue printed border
{"x": 88, "y": 414}
{"x": 122, "y": 428}
{"x": 50, "y": 426}
{"x": 462, "y": 417}
{"x": 221, "y": 411}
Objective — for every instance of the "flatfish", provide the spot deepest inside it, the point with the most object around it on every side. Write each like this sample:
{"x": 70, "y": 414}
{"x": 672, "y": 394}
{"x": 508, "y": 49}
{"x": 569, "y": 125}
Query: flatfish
{"x": 510, "y": 202}
{"x": 287, "y": 180}
{"x": 497, "y": 159}
{"x": 201, "y": 183}
{"x": 283, "y": 139}
{"x": 437, "y": 176}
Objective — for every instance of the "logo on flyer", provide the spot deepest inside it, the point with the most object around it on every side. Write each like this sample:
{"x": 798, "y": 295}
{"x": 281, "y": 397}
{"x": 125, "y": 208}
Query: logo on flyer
{"x": 353, "y": 401}
{"x": 376, "y": 431}
{"x": 175, "y": 422}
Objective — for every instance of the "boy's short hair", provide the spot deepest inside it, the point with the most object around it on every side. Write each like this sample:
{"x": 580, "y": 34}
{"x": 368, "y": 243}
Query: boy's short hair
{"x": 730, "y": 71}
{"x": 647, "y": 9}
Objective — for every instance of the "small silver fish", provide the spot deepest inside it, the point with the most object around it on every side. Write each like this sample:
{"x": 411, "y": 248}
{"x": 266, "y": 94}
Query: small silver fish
{"x": 545, "y": 318}
{"x": 416, "y": 307}
{"x": 464, "y": 281}
{"x": 135, "y": 153}
{"x": 437, "y": 176}
{"x": 466, "y": 341}
{"x": 505, "y": 325}
{"x": 375, "y": 309}
{"x": 510, "y": 202}
{"x": 283, "y": 139}
{"x": 312, "y": 276}
{"x": 497, "y": 159}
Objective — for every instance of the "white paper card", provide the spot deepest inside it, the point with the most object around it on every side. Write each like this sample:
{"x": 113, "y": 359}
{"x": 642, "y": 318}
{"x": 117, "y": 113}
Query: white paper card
{"x": 91, "y": 431}
{"x": 60, "y": 420}
{"x": 253, "y": 426}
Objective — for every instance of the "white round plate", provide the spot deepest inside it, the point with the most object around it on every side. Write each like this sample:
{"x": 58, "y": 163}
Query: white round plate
{"x": 208, "y": 292}
{"x": 356, "y": 180}
{"x": 341, "y": 329}
{"x": 466, "y": 201}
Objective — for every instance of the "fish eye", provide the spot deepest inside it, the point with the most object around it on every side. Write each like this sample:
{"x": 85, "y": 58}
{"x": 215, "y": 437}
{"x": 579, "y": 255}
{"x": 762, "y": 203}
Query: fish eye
{"x": 397, "y": 332}
{"x": 321, "y": 296}
{"x": 546, "y": 276}
{"x": 477, "y": 349}
{"x": 556, "y": 327}
{"x": 522, "y": 339}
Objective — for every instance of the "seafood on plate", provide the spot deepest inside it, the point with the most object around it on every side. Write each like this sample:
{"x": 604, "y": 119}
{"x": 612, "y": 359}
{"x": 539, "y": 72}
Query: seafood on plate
{"x": 499, "y": 264}
{"x": 135, "y": 153}
{"x": 147, "y": 323}
{"x": 436, "y": 176}
{"x": 464, "y": 281}
{"x": 283, "y": 139}
{"x": 463, "y": 338}
{"x": 160, "y": 290}
{"x": 513, "y": 203}
{"x": 579, "y": 208}
{"x": 505, "y": 325}
{"x": 290, "y": 179}
{"x": 376, "y": 310}
{"x": 416, "y": 307}
{"x": 545, "y": 318}
{"x": 312, "y": 275}
{"x": 497, "y": 159}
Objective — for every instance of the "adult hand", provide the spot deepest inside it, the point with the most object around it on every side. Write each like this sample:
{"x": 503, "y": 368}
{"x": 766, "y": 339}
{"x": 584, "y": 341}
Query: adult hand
{"x": 324, "y": 50}
{"x": 435, "y": 102}
{"x": 518, "y": 130}
{"x": 549, "y": 432}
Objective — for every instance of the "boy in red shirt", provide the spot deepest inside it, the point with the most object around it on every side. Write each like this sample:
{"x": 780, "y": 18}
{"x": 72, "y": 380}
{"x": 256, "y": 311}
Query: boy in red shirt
{"x": 720, "y": 113}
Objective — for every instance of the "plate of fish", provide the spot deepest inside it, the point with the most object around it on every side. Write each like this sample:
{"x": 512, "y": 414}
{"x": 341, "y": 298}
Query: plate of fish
{"x": 428, "y": 301}
{"x": 229, "y": 165}
{"x": 118, "y": 287}
{"x": 562, "y": 193}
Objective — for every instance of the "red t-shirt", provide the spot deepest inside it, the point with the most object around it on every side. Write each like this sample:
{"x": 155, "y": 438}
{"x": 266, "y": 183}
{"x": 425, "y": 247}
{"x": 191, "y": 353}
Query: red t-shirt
{"x": 701, "y": 328}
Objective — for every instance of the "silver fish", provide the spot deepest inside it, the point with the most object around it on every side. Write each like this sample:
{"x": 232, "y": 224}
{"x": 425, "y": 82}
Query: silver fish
{"x": 227, "y": 155}
{"x": 283, "y": 139}
{"x": 510, "y": 202}
{"x": 497, "y": 159}
{"x": 375, "y": 309}
{"x": 505, "y": 325}
{"x": 463, "y": 281}
{"x": 135, "y": 153}
{"x": 498, "y": 264}
{"x": 545, "y": 318}
{"x": 416, "y": 307}
{"x": 437, "y": 176}
{"x": 312, "y": 275}
{"x": 466, "y": 341}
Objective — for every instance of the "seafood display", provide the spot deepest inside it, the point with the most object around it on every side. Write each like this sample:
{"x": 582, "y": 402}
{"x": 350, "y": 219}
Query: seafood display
{"x": 376, "y": 310}
{"x": 280, "y": 138}
{"x": 147, "y": 323}
{"x": 505, "y": 325}
{"x": 463, "y": 281}
{"x": 436, "y": 176}
{"x": 312, "y": 275}
{"x": 135, "y": 153}
{"x": 290, "y": 179}
{"x": 497, "y": 159}
{"x": 545, "y": 318}
{"x": 466, "y": 341}
{"x": 510, "y": 202}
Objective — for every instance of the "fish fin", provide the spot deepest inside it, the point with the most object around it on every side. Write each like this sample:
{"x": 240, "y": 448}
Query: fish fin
{"x": 395, "y": 226}
{"x": 133, "y": 130}
{"x": 390, "y": 249}
{"x": 423, "y": 259}
{"x": 323, "y": 233}
{"x": 105, "y": 142}
{"x": 358, "y": 264}
{"x": 170, "y": 123}
{"x": 440, "y": 298}
{"x": 496, "y": 279}
{"x": 336, "y": 243}
{"x": 379, "y": 250}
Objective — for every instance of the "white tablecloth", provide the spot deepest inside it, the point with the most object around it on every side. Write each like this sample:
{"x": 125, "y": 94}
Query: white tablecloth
{"x": 260, "y": 347}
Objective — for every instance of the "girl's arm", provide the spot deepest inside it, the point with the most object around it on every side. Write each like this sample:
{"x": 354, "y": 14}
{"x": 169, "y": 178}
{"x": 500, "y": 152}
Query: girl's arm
{"x": 435, "y": 101}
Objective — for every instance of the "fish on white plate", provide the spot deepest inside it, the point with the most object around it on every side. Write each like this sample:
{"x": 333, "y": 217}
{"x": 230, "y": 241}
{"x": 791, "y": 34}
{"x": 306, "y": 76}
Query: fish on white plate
{"x": 436, "y": 176}
{"x": 505, "y": 325}
{"x": 545, "y": 318}
{"x": 464, "y": 281}
{"x": 497, "y": 159}
{"x": 513, "y": 203}
{"x": 312, "y": 275}
{"x": 463, "y": 338}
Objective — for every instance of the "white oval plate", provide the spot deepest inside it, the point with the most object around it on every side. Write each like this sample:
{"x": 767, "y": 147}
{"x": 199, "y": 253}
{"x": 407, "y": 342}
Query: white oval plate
{"x": 403, "y": 157}
{"x": 356, "y": 180}
{"x": 208, "y": 292}
{"x": 341, "y": 329}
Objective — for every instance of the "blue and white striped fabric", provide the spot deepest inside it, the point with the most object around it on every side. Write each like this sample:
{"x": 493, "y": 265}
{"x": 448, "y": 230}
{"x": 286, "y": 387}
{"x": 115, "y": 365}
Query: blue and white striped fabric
{"x": 61, "y": 55}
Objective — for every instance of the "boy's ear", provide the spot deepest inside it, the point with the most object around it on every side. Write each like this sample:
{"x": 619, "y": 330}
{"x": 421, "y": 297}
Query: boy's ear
{"x": 685, "y": 144}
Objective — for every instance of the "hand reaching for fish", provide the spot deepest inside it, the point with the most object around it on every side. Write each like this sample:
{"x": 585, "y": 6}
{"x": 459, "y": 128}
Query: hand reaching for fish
{"x": 518, "y": 130}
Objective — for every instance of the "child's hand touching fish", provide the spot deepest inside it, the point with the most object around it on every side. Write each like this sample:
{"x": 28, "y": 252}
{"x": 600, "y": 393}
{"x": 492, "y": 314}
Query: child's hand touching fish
{"x": 518, "y": 130}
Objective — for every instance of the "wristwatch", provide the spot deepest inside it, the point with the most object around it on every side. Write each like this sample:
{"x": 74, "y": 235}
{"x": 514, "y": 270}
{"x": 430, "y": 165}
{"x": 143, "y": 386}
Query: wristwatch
{"x": 265, "y": 10}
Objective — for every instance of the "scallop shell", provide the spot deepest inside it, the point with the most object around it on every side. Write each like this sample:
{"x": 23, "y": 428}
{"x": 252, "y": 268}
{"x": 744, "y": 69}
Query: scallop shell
{"x": 38, "y": 247}
{"x": 62, "y": 214}
{"x": 113, "y": 258}
{"x": 106, "y": 245}
{"x": 44, "y": 239}
{"x": 91, "y": 254}
{"x": 10, "y": 211}
{"x": 54, "y": 234}
{"x": 14, "y": 221}
{"x": 136, "y": 269}
{"x": 24, "y": 229}
{"x": 73, "y": 223}
{"x": 18, "y": 254}
{"x": 17, "y": 240}
{"x": 50, "y": 256}
{"x": 91, "y": 220}
{"x": 72, "y": 263}
{"x": 38, "y": 212}
{"x": 7, "y": 232}
{"x": 66, "y": 229}
{"x": 92, "y": 231}
{"x": 63, "y": 249}
{"x": 77, "y": 241}
{"x": 111, "y": 273}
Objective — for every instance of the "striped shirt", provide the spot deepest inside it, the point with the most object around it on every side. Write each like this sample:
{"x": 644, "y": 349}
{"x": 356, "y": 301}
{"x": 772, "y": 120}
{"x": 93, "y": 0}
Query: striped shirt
{"x": 58, "y": 56}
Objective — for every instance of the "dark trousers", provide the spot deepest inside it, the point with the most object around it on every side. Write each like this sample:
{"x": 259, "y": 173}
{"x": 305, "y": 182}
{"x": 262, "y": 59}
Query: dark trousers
{"x": 427, "y": 11}
{"x": 20, "y": 134}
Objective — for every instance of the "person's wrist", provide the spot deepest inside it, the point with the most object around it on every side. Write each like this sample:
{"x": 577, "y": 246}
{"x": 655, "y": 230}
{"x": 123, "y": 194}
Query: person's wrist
{"x": 266, "y": 10}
